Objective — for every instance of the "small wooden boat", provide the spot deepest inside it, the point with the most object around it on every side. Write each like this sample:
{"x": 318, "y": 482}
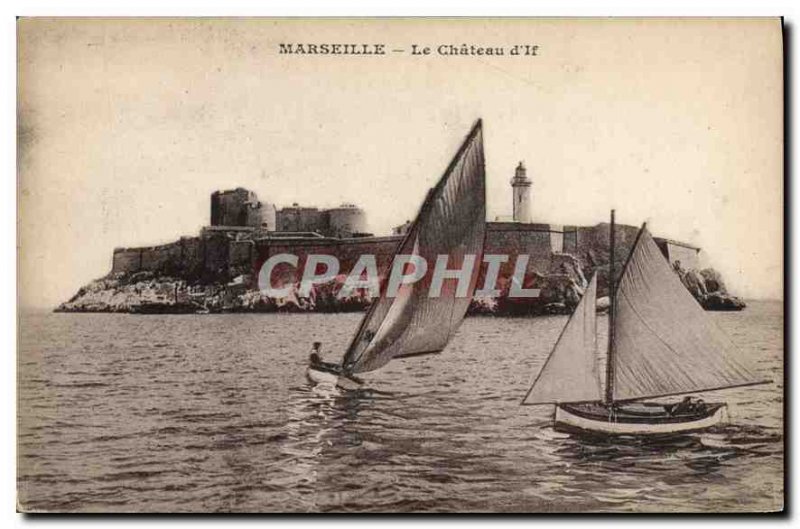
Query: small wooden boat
{"x": 644, "y": 418}
{"x": 331, "y": 377}
{"x": 660, "y": 344}
{"x": 451, "y": 222}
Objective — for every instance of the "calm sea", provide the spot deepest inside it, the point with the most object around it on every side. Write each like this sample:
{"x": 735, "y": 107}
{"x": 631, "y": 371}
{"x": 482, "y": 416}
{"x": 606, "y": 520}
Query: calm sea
{"x": 210, "y": 413}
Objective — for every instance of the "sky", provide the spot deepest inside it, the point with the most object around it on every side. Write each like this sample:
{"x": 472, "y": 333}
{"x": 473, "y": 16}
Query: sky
{"x": 126, "y": 126}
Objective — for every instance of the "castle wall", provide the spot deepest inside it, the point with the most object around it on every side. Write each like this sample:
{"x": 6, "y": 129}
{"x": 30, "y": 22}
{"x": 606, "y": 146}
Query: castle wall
{"x": 346, "y": 221}
{"x": 126, "y": 260}
{"x": 556, "y": 238}
{"x": 301, "y": 219}
{"x": 341, "y": 222}
{"x": 590, "y": 244}
{"x": 183, "y": 258}
{"x": 502, "y": 238}
{"x": 253, "y": 215}
{"x": 220, "y": 253}
{"x": 216, "y": 209}
{"x": 347, "y": 251}
{"x": 383, "y": 248}
{"x": 191, "y": 259}
{"x": 269, "y": 218}
{"x": 163, "y": 258}
{"x": 216, "y": 255}
{"x": 569, "y": 242}
{"x": 241, "y": 254}
{"x": 236, "y": 207}
{"x": 514, "y": 238}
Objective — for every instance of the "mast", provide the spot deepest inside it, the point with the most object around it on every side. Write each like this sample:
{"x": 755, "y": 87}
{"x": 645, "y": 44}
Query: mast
{"x": 609, "y": 396}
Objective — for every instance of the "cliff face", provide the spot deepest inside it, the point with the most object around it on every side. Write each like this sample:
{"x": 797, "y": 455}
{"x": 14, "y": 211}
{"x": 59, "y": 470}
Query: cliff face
{"x": 147, "y": 292}
{"x": 708, "y": 289}
{"x": 560, "y": 286}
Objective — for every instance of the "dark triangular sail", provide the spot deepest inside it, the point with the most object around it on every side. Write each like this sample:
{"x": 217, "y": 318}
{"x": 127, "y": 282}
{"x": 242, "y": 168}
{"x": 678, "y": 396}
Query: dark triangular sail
{"x": 570, "y": 373}
{"x": 664, "y": 343}
{"x": 452, "y": 222}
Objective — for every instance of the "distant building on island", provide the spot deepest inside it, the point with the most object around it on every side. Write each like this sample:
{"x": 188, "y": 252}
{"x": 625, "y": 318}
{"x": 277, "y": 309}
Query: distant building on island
{"x": 243, "y": 231}
{"x": 521, "y": 194}
{"x": 224, "y": 260}
{"x": 240, "y": 208}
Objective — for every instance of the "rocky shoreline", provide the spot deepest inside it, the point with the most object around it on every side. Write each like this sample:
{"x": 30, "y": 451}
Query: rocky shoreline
{"x": 561, "y": 289}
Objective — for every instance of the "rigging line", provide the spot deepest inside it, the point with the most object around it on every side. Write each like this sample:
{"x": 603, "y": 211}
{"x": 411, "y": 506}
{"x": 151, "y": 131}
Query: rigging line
{"x": 559, "y": 402}
{"x": 701, "y": 390}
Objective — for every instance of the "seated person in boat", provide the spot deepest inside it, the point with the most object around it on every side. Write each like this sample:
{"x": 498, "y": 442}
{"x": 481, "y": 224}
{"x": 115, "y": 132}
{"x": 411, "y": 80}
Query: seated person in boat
{"x": 315, "y": 360}
{"x": 687, "y": 405}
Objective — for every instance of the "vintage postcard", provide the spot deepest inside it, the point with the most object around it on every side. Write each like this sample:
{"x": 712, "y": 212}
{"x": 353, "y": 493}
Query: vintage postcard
{"x": 400, "y": 265}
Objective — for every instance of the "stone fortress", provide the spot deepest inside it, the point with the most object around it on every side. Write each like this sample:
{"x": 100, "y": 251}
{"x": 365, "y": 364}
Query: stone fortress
{"x": 243, "y": 232}
{"x": 241, "y": 208}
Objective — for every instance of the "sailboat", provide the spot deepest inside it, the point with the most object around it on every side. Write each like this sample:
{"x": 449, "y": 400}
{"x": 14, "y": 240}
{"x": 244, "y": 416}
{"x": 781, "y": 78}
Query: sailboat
{"x": 660, "y": 344}
{"x": 452, "y": 222}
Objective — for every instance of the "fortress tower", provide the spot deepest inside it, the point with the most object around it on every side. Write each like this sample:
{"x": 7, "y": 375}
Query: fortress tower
{"x": 521, "y": 189}
{"x": 240, "y": 207}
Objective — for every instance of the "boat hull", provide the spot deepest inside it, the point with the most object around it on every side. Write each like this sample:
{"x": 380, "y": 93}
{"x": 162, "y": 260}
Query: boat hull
{"x": 640, "y": 419}
{"x": 328, "y": 378}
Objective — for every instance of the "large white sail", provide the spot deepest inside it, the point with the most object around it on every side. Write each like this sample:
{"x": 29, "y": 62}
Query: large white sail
{"x": 570, "y": 373}
{"x": 452, "y": 222}
{"x": 664, "y": 343}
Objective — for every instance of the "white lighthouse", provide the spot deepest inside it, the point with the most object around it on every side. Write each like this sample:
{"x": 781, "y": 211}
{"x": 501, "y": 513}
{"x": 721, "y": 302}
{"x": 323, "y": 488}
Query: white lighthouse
{"x": 521, "y": 190}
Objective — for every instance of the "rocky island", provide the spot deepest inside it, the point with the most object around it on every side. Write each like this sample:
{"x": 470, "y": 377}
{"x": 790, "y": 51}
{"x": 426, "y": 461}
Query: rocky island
{"x": 217, "y": 271}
